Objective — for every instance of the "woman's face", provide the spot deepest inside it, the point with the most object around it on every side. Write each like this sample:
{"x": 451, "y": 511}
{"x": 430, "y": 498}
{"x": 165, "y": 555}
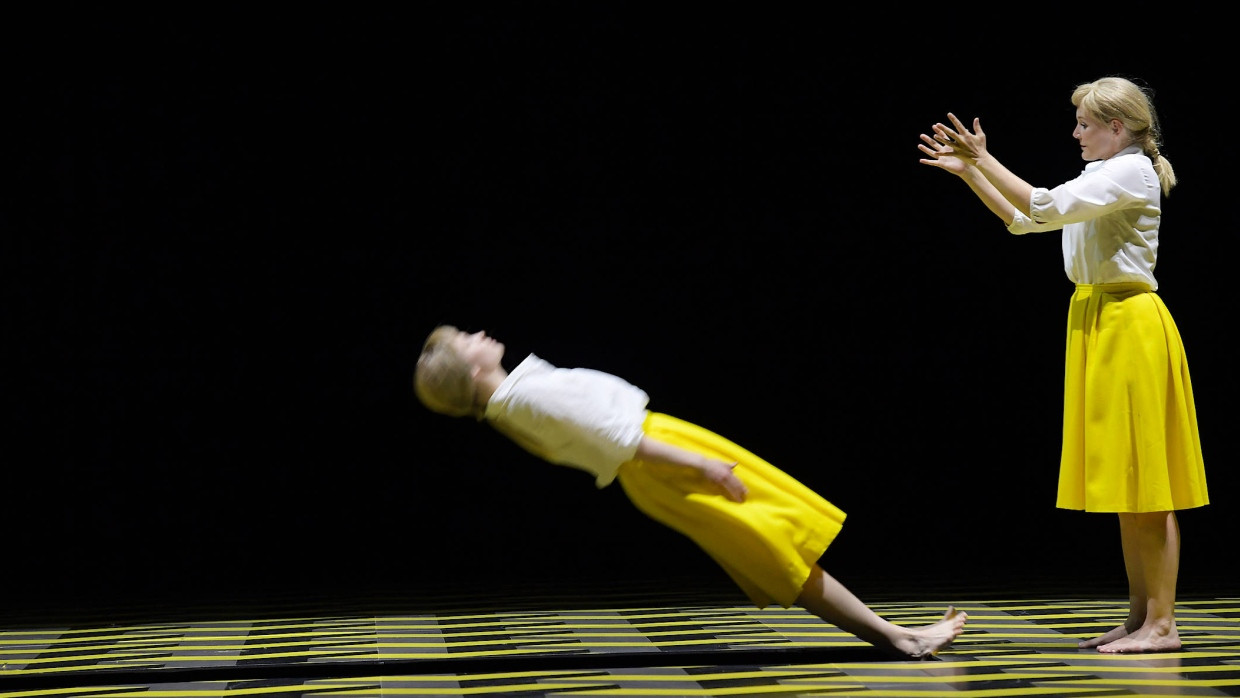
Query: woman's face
{"x": 478, "y": 349}
{"x": 1099, "y": 141}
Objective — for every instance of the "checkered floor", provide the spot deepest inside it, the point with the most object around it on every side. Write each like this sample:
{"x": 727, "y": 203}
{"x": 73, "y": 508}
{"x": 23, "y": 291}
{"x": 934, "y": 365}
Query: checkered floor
{"x": 633, "y": 642}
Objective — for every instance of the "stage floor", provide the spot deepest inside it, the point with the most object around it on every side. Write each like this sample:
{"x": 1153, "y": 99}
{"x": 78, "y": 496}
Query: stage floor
{"x": 632, "y": 641}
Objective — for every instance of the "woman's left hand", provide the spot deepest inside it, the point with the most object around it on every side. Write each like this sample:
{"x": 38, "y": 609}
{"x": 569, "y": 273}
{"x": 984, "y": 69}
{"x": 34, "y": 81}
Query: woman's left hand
{"x": 968, "y": 146}
{"x": 719, "y": 477}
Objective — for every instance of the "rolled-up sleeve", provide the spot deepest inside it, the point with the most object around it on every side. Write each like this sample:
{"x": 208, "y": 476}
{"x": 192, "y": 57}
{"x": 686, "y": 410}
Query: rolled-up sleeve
{"x": 1104, "y": 187}
{"x": 1117, "y": 184}
{"x": 1022, "y": 224}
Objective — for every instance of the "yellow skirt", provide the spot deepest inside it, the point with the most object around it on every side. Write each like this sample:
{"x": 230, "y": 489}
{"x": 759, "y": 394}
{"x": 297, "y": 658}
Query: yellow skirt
{"x": 1130, "y": 441}
{"x": 767, "y": 543}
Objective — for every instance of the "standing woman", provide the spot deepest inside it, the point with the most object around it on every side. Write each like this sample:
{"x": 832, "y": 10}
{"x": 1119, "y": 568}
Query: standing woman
{"x": 1130, "y": 440}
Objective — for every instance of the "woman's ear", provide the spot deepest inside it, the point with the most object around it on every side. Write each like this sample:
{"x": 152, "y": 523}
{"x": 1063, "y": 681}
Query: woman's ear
{"x": 1116, "y": 126}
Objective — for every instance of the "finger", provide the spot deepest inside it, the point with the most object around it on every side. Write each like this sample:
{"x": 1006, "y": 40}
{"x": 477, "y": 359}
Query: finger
{"x": 736, "y": 488}
{"x": 960, "y": 127}
{"x": 737, "y": 492}
{"x": 730, "y": 489}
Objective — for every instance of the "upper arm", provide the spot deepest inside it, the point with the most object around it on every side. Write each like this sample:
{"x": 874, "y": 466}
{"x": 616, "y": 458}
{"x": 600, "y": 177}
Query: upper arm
{"x": 1112, "y": 187}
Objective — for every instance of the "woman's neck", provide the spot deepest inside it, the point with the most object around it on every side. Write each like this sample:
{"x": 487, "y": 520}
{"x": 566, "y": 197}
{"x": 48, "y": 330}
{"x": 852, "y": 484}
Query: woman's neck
{"x": 487, "y": 383}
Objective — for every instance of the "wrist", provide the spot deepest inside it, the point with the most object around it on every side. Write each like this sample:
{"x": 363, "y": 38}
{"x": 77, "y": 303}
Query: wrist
{"x": 985, "y": 162}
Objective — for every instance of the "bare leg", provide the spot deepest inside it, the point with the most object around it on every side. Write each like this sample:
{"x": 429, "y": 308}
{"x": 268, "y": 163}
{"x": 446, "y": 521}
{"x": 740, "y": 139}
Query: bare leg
{"x": 1137, "y": 597}
{"x": 826, "y": 598}
{"x": 1157, "y": 537}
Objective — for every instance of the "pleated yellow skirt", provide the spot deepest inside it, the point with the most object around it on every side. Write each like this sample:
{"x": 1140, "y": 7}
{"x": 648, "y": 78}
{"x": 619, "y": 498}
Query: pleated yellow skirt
{"x": 1130, "y": 439}
{"x": 767, "y": 543}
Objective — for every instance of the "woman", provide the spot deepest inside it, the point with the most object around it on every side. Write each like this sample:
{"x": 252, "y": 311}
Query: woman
{"x": 764, "y": 528}
{"x": 1130, "y": 438}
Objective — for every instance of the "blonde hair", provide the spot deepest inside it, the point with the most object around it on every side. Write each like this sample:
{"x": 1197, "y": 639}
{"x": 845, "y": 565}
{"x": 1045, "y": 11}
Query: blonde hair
{"x": 444, "y": 383}
{"x": 442, "y": 380}
{"x": 1114, "y": 97}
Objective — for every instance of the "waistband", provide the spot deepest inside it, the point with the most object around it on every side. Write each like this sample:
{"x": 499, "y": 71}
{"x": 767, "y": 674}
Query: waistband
{"x": 1119, "y": 287}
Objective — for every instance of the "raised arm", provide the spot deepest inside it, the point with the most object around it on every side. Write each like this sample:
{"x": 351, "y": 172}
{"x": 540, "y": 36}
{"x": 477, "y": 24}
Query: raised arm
{"x": 1001, "y": 188}
{"x": 941, "y": 157}
{"x": 716, "y": 473}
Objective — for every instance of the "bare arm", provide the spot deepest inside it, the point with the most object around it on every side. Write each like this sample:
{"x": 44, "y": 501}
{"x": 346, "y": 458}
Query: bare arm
{"x": 941, "y": 156}
{"x": 992, "y": 197}
{"x": 970, "y": 148}
{"x": 716, "y": 473}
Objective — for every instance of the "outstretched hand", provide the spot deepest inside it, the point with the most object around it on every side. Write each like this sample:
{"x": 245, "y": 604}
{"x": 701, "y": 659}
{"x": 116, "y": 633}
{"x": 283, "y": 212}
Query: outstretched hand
{"x": 954, "y": 148}
{"x": 967, "y": 146}
{"x": 941, "y": 156}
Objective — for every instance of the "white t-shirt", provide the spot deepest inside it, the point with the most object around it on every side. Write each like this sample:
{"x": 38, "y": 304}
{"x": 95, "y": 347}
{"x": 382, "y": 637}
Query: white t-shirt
{"x": 575, "y": 416}
{"x": 1109, "y": 216}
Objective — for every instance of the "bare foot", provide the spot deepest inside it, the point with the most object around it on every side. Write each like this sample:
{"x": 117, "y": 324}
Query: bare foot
{"x": 1110, "y": 636}
{"x": 1145, "y": 639}
{"x": 926, "y": 641}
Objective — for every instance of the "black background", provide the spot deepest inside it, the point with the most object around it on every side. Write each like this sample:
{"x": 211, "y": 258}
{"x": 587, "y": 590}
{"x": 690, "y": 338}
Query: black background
{"x": 230, "y": 232}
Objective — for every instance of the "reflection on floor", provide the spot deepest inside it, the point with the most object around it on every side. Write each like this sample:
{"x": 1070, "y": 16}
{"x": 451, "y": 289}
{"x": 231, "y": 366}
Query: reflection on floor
{"x": 631, "y": 642}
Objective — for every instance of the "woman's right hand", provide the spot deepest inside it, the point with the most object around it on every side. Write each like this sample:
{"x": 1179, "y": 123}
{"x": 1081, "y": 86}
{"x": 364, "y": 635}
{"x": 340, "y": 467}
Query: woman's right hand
{"x": 954, "y": 148}
{"x": 941, "y": 156}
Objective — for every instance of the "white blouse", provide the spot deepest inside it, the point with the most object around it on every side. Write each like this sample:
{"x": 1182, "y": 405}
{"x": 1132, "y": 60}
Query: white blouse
{"x": 578, "y": 417}
{"x": 1109, "y": 216}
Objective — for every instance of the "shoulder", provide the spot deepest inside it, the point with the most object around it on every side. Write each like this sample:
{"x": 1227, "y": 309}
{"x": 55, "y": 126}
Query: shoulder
{"x": 1130, "y": 159}
{"x": 1130, "y": 169}
{"x": 522, "y": 386}
{"x": 533, "y": 364}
